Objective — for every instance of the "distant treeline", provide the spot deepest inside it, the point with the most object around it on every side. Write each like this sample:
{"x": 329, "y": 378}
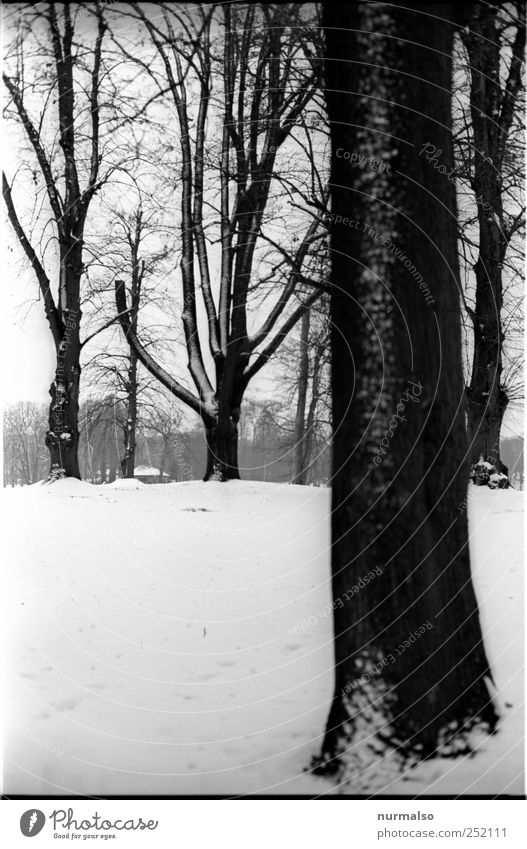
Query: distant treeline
{"x": 266, "y": 449}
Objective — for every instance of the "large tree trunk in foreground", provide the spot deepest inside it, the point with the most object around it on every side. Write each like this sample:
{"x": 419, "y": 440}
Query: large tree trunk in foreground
{"x": 411, "y": 670}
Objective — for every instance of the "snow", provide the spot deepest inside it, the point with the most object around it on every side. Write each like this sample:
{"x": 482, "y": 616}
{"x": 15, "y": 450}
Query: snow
{"x": 496, "y": 478}
{"x": 148, "y": 471}
{"x": 153, "y": 650}
{"x": 496, "y": 544}
{"x": 125, "y": 483}
{"x": 61, "y": 486}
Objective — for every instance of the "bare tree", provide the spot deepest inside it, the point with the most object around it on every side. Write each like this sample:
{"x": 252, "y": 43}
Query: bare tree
{"x": 67, "y": 175}
{"x": 102, "y": 424}
{"x": 304, "y": 375}
{"x": 266, "y": 59}
{"x": 489, "y": 145}
{"x": 163, "y": 420}
{"x": 24, "y": 429}
{"x": 128, "y": 248}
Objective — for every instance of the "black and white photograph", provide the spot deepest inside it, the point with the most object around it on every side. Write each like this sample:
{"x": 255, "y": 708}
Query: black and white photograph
{"x": 263, "y": 358}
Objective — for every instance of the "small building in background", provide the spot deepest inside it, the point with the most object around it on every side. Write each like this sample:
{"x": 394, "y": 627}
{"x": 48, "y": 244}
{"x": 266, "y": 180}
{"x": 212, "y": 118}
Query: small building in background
{"x": 149, "y": 474}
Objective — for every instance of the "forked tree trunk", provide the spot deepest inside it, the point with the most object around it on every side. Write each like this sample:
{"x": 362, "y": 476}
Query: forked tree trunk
{"x": 411, "y": 671}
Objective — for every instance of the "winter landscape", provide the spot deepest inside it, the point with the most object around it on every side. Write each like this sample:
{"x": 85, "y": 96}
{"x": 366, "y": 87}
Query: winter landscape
{"x": 186, "y": 645}
{"x": 263, "y": 421}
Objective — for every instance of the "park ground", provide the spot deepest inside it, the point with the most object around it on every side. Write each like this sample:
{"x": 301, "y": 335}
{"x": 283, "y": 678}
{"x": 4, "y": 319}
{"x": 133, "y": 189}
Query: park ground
{"x": 176, "y": 639}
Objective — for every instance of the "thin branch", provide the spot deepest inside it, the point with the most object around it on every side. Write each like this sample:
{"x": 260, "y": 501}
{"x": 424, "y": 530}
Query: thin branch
{"x": 53, "y": 194}
{"x": 50, "y": 308}
{"x": 265, "y": 355}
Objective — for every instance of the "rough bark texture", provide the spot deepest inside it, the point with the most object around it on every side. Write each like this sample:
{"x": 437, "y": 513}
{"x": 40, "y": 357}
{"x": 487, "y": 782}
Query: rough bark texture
{"x": 62, "y": 437}
{"x": 400, "y": 462}
{"x": 222, "y": 450}
{"x": 491, "y": 110}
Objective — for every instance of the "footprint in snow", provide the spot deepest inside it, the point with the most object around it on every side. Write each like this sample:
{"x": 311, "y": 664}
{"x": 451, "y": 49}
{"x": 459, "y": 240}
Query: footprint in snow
{"x": 44, "y": 714}
{"x": 65, "y": 704}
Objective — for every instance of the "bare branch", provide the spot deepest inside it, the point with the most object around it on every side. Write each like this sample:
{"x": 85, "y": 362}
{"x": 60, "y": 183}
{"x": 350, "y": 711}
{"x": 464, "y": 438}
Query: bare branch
{"x": 270, "y": 349}
{"x": 173, "y": 386}
{"x": 53, "y": 193}
{"x": 50, "y": 308}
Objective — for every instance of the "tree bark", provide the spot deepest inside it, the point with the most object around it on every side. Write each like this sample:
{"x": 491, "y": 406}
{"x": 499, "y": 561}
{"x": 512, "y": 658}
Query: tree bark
{"x": 128, "y": 461}
{"x": 410, "y": 666}
{"x": 62, "y": 437}
{"x": 222, "y": 448}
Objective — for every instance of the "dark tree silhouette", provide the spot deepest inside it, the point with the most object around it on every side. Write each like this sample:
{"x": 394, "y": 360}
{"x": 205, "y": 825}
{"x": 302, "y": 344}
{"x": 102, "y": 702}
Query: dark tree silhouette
{"x": 71, "y": 179}
{"x": 411, "y": 670}
{"x": 256, "y": 72}
{"x": 495, "y": 46}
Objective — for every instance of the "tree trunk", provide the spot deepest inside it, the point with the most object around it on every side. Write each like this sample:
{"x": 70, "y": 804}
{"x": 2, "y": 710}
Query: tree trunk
{"x": 62, "y": 438}
{"x": 299, "y": 476}
{"x": 163, "y": 457}
{"x": 222, "y": 449}
{"x": 309, "y": 438}
{"x": 410, "y": 667}
{"x": 128, "y": 461}
{"x": 487, "y": 399}
{"x": 484, "y": 424}
{"x": 34, "y": 457}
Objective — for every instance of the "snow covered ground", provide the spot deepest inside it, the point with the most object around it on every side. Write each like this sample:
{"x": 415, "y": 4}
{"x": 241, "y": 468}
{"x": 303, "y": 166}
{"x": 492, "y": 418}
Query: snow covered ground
{"x": 155, "y": 644}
